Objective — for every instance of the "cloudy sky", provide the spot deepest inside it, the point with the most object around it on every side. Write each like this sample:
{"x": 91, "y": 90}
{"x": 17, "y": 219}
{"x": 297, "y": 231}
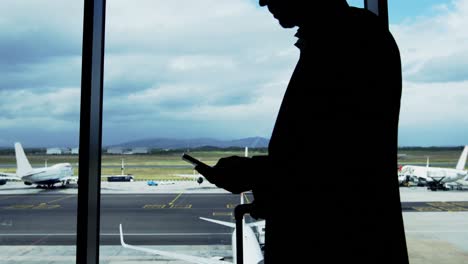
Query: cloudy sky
{"x": 207, "y": 68}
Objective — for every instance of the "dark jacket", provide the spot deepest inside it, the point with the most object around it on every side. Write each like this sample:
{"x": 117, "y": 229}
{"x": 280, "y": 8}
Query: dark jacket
{"x": 331, "y": 189}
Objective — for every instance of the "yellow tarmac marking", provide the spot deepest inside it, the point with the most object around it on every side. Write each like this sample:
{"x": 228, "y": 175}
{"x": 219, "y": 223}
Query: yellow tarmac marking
{"x": 32, "y": 206}
{"x": 60, "y": 199}
{"x": 175, "y": 199}
{"x": 164, "y": 206}
{"x": 222, "y": 213}
{"x": 448, "y": 207}
{"x": 181, "y": 206}
{"x": 438, "y": 204}
{"x": 230, "y": 206}
{"x": 46, "y": 206}
{"x": 20, "y": 206}
{"x": 457, "y": 209}
{"x": 463, "y": 204}
{"x": 426, "y": 208}
{"x": 154, "y": 206}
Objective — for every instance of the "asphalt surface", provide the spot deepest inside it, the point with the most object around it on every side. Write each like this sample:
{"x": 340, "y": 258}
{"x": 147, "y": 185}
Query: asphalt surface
{"x": 147, "y": 219}
{"x": 455, "y": 206}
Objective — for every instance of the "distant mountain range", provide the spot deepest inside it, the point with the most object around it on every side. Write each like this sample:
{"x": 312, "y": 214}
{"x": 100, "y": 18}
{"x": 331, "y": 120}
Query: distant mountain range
{"x": 172, "y": 143}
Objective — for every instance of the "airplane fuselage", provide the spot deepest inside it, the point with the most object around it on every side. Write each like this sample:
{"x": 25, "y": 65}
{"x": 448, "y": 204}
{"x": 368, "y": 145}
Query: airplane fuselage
{"x": 429, "y": 174}
{"x": 48, "y": 175}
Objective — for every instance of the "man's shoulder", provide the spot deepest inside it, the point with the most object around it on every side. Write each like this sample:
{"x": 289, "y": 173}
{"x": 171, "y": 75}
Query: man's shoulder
{"x": 364, "y": 18}
{"x": 365, "y": 24}
{"x": 362, "y": 13}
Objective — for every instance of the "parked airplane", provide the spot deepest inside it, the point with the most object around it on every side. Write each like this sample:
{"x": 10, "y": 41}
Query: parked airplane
{"x": 45, "y": 176}
{"x": 252, "y": 251}
{"x": 200, "y": 178}
{"x": 458, "y": 185}
{"x": 435, "y": 178}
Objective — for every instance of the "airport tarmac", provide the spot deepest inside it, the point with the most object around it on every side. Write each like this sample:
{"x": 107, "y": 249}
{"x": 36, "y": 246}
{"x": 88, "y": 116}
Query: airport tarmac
{"x": 147, "y": 219}
{"x": 436, "y": 223}
{"x": 118, "y": 187}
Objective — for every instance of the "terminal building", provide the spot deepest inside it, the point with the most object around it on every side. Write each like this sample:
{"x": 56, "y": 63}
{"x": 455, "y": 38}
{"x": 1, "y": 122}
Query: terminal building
{"x": 115, "y": 150}
{"x": 58, "y": 151}
{"x": 140, "y": 150}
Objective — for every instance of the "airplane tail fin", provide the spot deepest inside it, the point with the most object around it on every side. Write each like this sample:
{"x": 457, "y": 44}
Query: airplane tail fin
{"x": 462, "y": 161}
{"x": 170, "y": 254}
{"x": 22, "y": 163}
{"x": 122, "y": 242}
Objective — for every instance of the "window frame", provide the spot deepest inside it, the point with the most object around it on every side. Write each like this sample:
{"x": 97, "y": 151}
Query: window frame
{"x": 92, "y": 68}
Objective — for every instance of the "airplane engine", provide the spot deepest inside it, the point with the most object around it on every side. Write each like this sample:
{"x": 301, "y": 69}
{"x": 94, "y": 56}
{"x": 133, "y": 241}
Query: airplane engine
{"x": 3, "y": 182}
{"x": 27, "y": 183}
{"x": 200, "y": 180}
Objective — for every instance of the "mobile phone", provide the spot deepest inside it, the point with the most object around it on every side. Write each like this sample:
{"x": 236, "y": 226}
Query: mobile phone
{"x": 193, "y": 160}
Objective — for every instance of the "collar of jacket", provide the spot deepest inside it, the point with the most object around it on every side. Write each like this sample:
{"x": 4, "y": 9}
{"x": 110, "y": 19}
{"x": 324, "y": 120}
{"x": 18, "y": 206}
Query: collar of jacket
{"x": 301, "y": 42}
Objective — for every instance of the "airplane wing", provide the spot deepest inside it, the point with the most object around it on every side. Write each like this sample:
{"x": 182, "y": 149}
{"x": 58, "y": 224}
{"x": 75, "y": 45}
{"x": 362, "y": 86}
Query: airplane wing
{"x": 8, "y": 176}
{"x": 184, "y": 257}
{"x": 224, "y": 223}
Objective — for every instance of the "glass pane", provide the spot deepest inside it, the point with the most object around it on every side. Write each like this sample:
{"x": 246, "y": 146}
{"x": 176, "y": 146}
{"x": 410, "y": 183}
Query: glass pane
{"x": 356, "y": 3}
{"x": 40, "y": 65}
{"x": 178, "y": 79}
{"x": 433, "y": 127}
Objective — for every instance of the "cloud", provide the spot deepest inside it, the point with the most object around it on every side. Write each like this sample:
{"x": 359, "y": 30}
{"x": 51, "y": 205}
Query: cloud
{"x": 28, "y": 104}
{"x": 201, "y": 68}
{"x": 167, "y": 66}
{"x": 435, "y": 48}
{"x": 434, "y": 55}
{"x": 31, "y": 30}
{"x": 434, "y": 104}
{"x": 195, "y": 68}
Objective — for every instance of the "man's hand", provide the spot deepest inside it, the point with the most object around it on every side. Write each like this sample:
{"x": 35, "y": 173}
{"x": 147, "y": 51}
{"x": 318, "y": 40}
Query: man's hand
{"x": 233, "y": 174}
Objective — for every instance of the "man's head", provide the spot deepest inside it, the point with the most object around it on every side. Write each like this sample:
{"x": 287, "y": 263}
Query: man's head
{"x": 291, "y": 13}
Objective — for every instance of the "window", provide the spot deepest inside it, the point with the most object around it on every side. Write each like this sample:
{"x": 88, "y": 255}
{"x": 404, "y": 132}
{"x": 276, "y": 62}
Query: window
{"x": 431, "y": 37}
{"x": 40, "y": 67}
{"x": 161, "y": 63}
{"x": 178, "y": 78}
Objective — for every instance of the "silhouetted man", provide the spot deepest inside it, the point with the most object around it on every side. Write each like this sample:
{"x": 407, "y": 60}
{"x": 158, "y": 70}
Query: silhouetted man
{"x": 328, "y": 187}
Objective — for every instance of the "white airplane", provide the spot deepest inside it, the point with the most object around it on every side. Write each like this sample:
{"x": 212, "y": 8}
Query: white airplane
{"x": 435, "y": 178}
{"x": 252, "y": 251}
{"x": 45, "y": 176}
{"x": 458, "y": 185}
{"x": 200, "y": 178}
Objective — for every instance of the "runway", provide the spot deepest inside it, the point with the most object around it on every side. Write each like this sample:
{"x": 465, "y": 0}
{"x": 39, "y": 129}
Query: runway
{"x": 152, "y": 219}
{"x": 39, "y": 225}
